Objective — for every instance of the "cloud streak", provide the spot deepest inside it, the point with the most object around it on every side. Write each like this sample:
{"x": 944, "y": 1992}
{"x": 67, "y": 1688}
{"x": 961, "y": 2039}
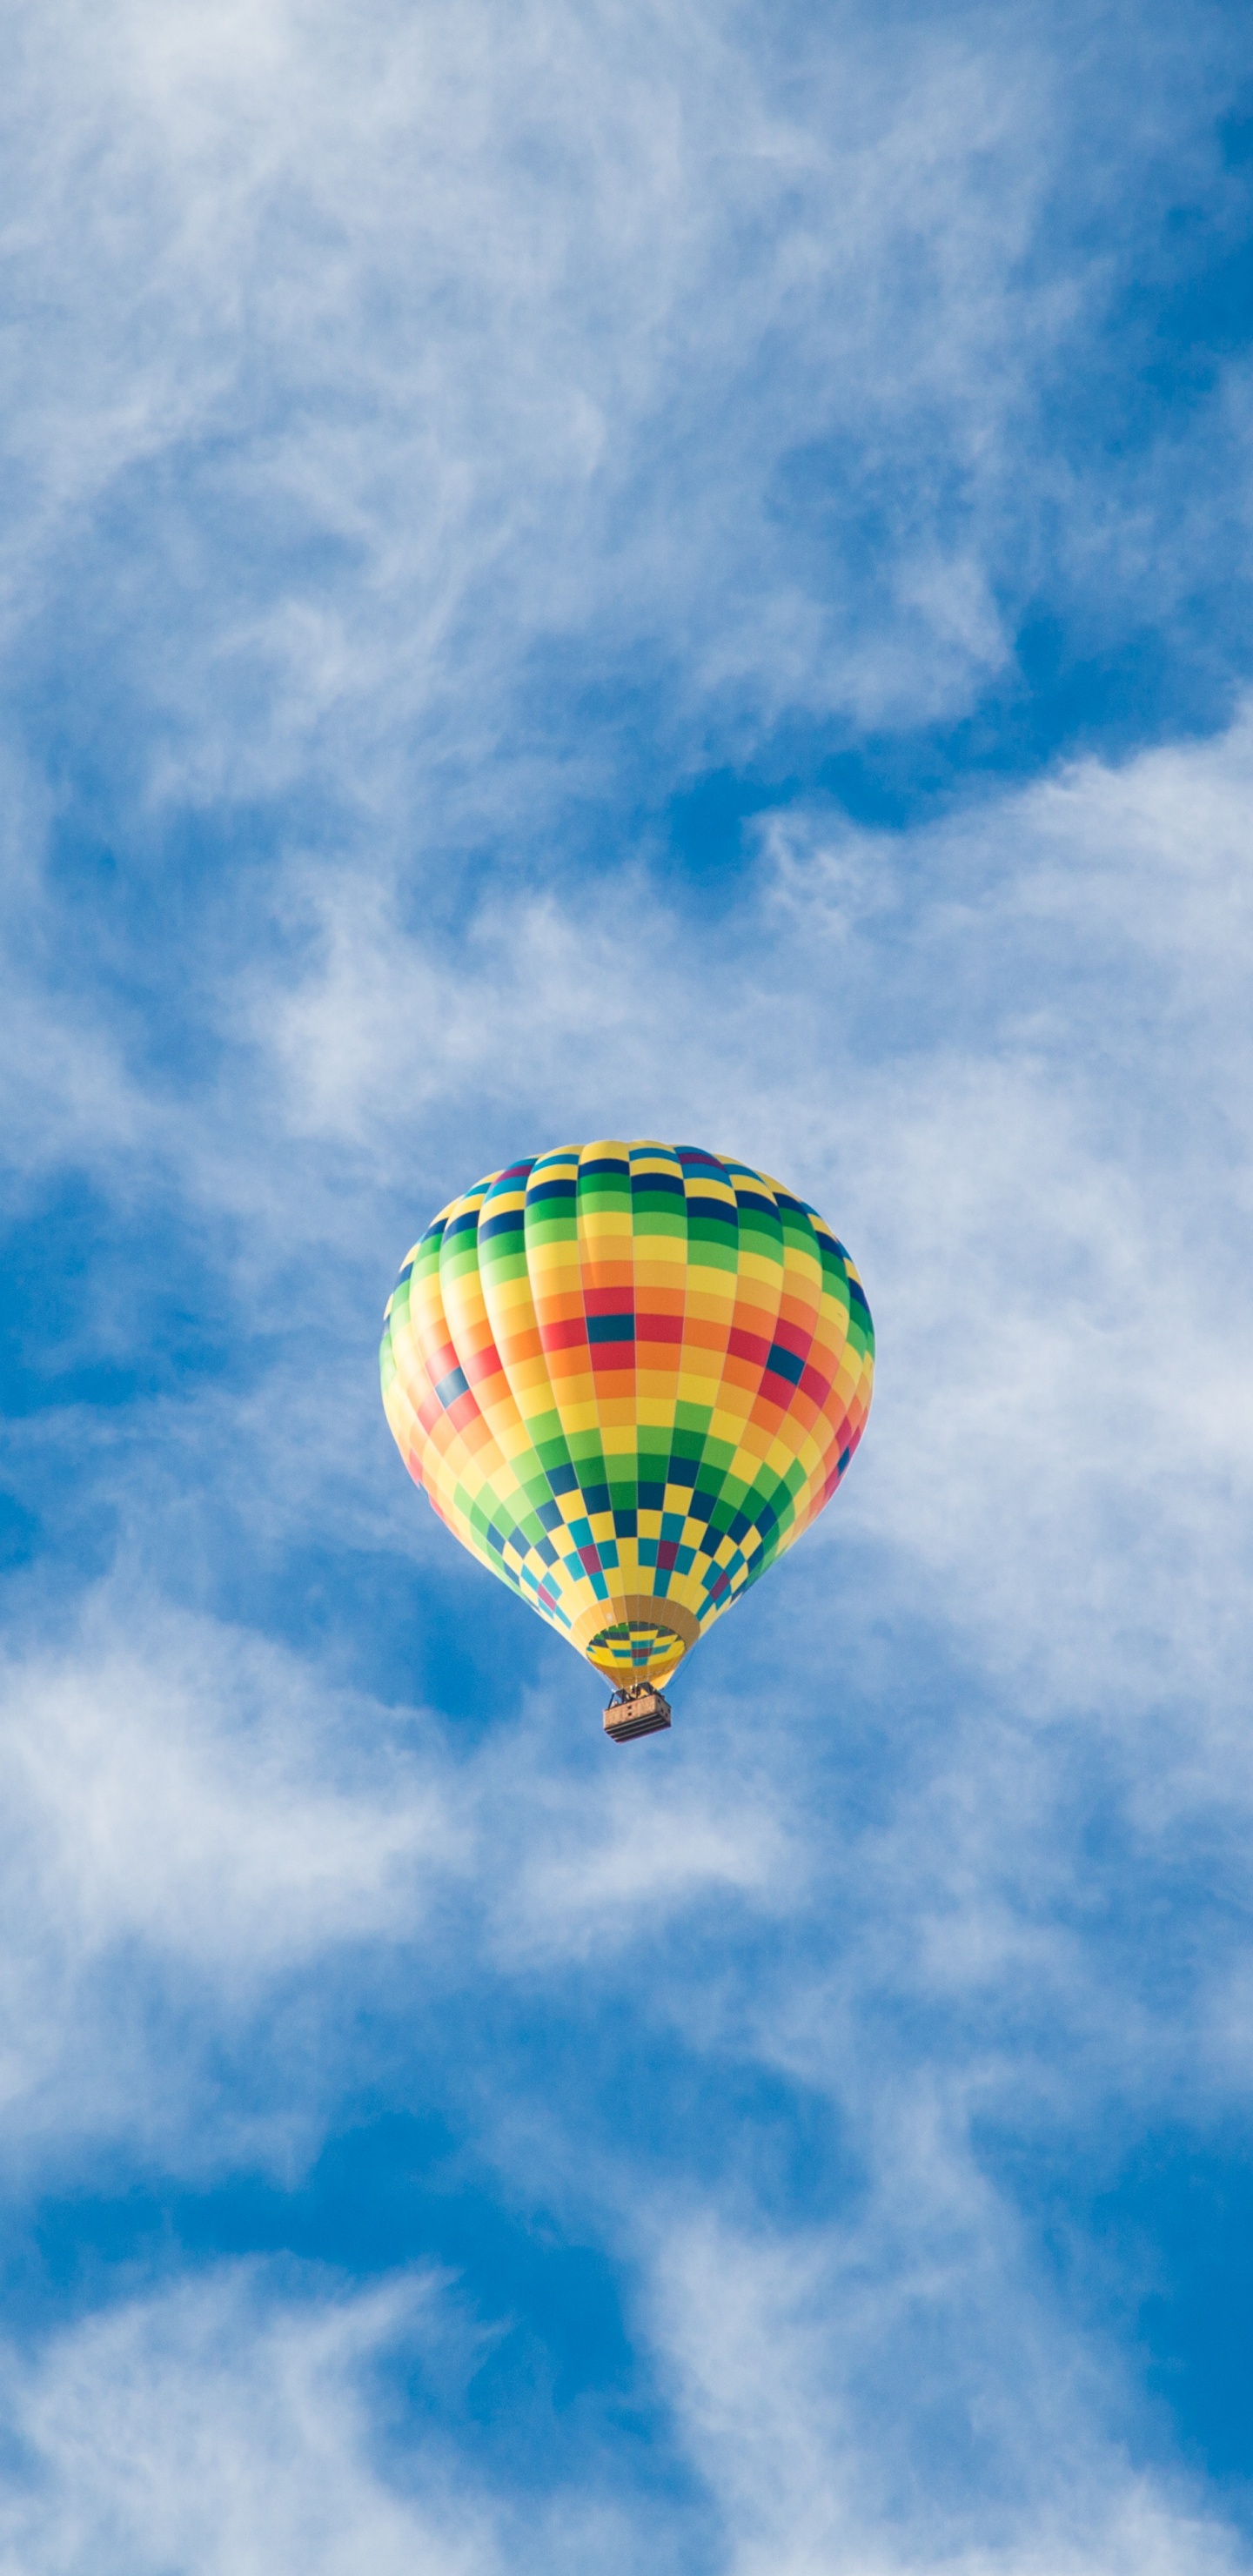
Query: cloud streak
{"x": 421, "y": 361}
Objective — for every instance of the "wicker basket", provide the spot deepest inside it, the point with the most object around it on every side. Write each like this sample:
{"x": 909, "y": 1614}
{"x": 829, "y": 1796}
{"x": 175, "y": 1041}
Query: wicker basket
{"x": 641, "y": 1712}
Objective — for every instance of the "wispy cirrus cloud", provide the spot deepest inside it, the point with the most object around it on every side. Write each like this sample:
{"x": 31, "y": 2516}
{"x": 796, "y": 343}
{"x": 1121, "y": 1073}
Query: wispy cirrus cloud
{"x": 312, "y": 339}
{"x": 215, "y": 2427}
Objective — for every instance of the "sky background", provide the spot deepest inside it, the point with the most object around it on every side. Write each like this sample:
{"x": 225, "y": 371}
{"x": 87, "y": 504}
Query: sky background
{"x": 621, "y": 570}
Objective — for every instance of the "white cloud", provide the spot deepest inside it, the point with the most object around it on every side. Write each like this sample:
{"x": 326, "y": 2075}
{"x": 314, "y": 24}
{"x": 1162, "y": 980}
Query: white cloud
{"x": 357, "y": 367}
{"x": 208, "y": 1849}
{"x": 612, "y": 1858}
{"x": 189, "y": 1824}
{"x": 239, "y": 2421}
{"x": 852, "y": 2426}
{"x": 223, "y": 2431}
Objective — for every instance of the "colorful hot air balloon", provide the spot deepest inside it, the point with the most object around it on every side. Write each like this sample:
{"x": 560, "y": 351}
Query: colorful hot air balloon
{"x": 628, "y": 1376}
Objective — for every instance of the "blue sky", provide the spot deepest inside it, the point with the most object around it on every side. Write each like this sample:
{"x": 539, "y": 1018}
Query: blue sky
{"x": 623, "y": 571}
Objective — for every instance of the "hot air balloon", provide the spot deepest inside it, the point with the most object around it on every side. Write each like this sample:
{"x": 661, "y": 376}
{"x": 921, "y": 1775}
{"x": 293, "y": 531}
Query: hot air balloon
{"x": 627, "y": 1376}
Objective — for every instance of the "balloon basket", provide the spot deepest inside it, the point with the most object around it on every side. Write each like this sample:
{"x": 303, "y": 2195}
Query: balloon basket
{"x": 636, "y": 1712}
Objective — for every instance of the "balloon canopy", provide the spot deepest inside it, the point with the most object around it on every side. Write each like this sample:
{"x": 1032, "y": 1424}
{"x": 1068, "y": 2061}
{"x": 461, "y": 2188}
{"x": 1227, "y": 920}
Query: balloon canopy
{"x": 628, "y": 1376}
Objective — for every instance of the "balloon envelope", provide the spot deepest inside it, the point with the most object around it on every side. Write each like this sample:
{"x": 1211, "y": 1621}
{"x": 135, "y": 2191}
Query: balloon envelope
{"x": 628, "y": 1376}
